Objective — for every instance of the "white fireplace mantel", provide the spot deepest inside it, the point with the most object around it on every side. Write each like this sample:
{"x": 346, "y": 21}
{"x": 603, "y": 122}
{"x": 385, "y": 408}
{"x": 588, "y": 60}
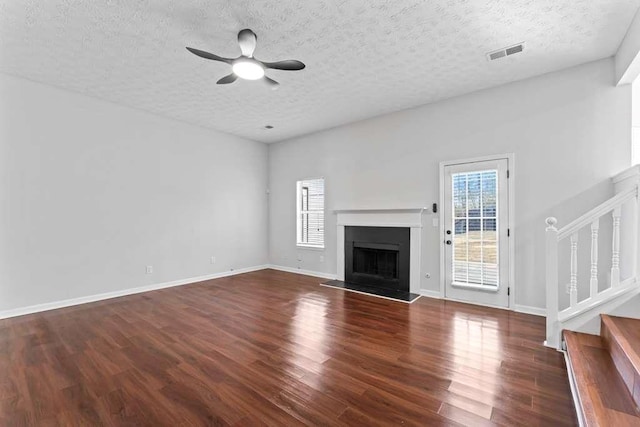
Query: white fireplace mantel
{"x": 403, "y": 217}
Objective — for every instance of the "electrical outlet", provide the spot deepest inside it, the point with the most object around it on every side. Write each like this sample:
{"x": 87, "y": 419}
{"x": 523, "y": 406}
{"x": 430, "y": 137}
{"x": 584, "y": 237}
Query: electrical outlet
{"x": 321, "y": 258}
{"x": 149, "y": 269}
{"x": 213, "y": 260}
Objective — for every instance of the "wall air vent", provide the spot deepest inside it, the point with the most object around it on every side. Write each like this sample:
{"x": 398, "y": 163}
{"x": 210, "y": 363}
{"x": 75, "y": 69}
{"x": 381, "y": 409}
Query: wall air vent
{"x": 505, "y": 51}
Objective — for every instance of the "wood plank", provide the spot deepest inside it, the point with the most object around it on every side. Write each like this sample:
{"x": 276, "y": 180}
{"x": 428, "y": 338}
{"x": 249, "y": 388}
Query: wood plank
{"x": 621, "y": 337}
{"x": 274, "y": 348}
{"x": 603, "y": 394}
{"x": 629, "y": 336}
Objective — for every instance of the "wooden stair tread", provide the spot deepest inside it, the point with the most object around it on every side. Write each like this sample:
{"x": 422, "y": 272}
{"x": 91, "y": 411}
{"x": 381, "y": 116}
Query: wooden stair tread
{"x": 627, "y": 334}
{"x": 603, "y": 394}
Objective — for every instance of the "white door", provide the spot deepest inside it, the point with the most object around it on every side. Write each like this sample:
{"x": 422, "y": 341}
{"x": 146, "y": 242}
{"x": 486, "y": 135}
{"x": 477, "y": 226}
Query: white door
{"x": 476, "y": 241}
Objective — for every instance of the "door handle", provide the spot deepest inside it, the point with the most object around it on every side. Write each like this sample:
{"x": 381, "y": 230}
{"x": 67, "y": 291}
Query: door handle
{"x": 448, "y": 242}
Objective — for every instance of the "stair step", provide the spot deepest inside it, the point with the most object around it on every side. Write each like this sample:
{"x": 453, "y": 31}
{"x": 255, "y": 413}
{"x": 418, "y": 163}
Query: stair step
{"x": 621, "y": 337}
{"x": 604, "y": 397}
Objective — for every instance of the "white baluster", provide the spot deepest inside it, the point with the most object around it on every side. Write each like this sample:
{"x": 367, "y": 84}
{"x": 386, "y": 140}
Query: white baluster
{"x": 615, "y": 251}
{"x": 573, "y": 282}
{"x": 551, "y": 277}
{"x": 593, "y": 283}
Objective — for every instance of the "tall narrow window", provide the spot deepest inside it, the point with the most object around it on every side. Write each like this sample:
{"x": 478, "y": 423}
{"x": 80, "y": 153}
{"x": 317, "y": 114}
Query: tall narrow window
{"x": 310, "y": 213}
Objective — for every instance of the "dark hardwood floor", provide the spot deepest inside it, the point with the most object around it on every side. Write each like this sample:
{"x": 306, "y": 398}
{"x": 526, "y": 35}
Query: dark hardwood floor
{"x": 273, "y": 348}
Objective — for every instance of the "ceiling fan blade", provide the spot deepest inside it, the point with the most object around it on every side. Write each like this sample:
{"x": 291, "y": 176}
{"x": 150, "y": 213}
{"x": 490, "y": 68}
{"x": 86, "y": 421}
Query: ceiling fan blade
{"x": 228, "y": 79}
{"x": 288, "y": 64}
{"x": 207, "y": 55}
{"x": 271, "y": 83}
{"x": 247, "y": 40}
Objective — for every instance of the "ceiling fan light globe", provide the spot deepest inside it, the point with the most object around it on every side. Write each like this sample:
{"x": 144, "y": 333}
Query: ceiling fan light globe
{"x": 248, "y": 69}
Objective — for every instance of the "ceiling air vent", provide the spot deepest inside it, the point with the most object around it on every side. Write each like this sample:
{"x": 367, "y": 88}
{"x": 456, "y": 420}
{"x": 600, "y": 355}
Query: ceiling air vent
{"x": 505, "y": 51}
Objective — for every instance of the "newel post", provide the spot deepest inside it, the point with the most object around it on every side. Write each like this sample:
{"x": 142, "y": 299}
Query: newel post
{"x": 551, "y": 280}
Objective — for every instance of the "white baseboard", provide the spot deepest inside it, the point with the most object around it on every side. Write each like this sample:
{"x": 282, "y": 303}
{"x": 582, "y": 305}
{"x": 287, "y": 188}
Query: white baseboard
{"x": 131, "y": 291}
{"x": 108, "y": 295}
{"x": 430, "y": 294}
{"x": 301, "y": 271}
{"x": 536, "y": 311}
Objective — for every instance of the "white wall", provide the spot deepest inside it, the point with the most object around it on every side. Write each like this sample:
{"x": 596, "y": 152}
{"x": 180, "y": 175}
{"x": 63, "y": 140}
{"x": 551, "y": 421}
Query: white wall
{"x": 569, "y": 130}
{"x": 91, "y": 193}
{"x": 635, "y": 120}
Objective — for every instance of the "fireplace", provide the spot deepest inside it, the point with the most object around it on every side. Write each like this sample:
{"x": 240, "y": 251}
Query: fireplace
{"x": 378, "y": 256}
{"x": 381, "y": 219}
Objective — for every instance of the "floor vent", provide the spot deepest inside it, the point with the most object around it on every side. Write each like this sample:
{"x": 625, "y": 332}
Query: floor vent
{"x": 505, "y": 51}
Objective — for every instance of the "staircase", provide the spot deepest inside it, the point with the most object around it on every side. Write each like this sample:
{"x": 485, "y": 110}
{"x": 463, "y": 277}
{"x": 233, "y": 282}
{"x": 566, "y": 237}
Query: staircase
{"x": 602, "y": 350}
{"x": 605, "y": 372}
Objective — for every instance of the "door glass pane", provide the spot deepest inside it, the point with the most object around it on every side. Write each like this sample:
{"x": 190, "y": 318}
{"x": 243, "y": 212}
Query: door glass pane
{"x": 489, "y": 228}
{"x": 489, "y": 194}
{"x": 460, "y": 250}
{"x": 475, "y": 243}
{"x": 474, "y": 192}
{"x": 460, "y": 196}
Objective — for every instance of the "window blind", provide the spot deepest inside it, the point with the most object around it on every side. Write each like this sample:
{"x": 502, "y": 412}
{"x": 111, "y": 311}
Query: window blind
{"x": 310, "y": 212}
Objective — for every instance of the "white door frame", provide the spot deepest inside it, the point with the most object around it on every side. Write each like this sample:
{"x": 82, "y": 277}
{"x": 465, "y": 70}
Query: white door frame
{"x": 510, "y": 157}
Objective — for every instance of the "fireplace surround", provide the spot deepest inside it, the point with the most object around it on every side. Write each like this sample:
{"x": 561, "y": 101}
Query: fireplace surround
{"x": 410, "y": 219}
{"x": 377, "y": 256}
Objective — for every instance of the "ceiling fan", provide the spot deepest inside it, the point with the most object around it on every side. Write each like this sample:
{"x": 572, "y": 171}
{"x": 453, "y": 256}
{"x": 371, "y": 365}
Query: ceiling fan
{"x": 246, "y": 66}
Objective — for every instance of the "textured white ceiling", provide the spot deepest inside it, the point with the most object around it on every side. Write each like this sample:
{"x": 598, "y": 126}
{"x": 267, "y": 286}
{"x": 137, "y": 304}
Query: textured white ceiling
{"x": 364, "y": 57}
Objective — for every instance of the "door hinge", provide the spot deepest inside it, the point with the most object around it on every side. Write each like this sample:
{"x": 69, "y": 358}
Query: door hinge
{"x": 507, "y": 173}
{"x": 508, "y": 291}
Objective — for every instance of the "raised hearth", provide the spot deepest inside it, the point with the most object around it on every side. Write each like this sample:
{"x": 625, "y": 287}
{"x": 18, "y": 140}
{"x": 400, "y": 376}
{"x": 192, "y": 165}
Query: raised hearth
{"x": 391, "y": 294}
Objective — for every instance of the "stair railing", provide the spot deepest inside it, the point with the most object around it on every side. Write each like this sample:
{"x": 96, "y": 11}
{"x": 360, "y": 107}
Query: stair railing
{"x": 555, "y": 316}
